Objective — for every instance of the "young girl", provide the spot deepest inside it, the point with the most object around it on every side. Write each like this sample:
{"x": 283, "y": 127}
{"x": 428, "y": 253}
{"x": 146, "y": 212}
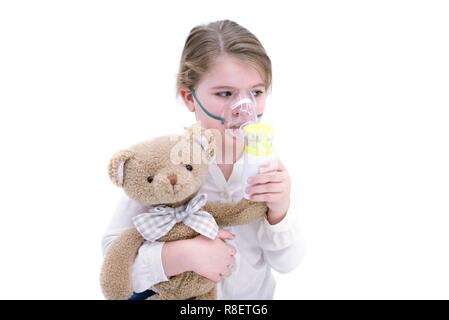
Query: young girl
{"x": 218, "y": 61}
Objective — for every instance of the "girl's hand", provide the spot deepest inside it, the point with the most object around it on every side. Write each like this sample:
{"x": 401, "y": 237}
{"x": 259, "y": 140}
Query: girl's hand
{"x": 212, "y": 259}
{"x": 271, "y": 185}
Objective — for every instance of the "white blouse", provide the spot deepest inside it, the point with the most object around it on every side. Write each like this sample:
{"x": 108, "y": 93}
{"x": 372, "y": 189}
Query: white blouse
{"x": 260, "y": 246}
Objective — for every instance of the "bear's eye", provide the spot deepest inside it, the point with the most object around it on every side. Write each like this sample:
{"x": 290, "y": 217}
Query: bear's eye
{"x": 150, "y": 179}
{"x": 189, "y": 167}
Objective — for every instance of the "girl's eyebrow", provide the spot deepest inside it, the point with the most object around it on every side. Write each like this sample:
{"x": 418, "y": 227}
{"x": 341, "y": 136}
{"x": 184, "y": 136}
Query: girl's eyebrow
{"x": 222, "y": 87}
{"x": 229, "y": 87}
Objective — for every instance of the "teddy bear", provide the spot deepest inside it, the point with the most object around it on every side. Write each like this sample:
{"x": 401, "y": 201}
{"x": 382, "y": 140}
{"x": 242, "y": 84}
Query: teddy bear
{"x": 165, "y": 174}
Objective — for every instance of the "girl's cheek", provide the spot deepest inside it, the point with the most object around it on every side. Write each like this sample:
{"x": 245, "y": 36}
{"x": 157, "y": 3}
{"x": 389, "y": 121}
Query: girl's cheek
{"x": 207, "y": 122}
{"x": 261, "y": 106}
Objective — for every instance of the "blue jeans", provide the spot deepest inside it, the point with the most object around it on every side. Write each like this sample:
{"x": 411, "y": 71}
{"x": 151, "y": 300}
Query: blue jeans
{"x": 142, "y": 295}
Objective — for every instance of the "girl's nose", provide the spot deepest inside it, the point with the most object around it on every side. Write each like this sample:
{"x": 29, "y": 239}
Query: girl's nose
{"x": 173, "y": 179}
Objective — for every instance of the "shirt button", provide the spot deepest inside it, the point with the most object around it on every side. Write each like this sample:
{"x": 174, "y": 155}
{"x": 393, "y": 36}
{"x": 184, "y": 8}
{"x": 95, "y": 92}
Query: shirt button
{"x": 226, "y": 196}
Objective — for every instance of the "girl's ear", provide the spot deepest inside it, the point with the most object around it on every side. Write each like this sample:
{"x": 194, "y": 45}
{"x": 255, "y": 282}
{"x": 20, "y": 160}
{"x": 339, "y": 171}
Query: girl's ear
{"x": 187, "y": 98}
{"x": 117, "y": 166}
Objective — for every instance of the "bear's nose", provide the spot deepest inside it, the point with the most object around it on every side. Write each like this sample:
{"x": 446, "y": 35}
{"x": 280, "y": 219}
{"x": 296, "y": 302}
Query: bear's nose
{"x": 172, "y": 178}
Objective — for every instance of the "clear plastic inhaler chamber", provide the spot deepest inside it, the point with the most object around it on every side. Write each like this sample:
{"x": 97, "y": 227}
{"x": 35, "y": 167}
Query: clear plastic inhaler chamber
{"x": 258, "y": 150}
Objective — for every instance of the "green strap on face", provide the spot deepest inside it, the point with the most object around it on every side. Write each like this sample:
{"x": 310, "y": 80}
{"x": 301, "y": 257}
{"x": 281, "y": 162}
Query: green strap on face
{"x": 213, "y": 116}
{"x": 204, "y": 109}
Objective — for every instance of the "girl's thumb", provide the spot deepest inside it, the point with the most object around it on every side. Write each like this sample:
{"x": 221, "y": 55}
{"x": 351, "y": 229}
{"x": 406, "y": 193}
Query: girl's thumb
{"x": 225, "y": 235}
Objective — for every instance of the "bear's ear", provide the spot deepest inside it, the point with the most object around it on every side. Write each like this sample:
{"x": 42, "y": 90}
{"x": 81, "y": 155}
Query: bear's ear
{"x": 117, "y": 166}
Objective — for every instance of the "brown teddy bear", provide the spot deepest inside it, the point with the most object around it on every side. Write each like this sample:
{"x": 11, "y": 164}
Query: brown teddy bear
{"x": 166, "y": 173}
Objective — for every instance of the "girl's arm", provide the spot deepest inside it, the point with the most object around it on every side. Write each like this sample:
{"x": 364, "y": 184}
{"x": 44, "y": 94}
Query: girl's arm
{"x": 209, "y": 258}
{"x": 157, "y": 261}
{"x": 283, "y": 244}
{"x": 147, "y": 269}
{"x": 121, "y": 220}
{"x": 278, "y": 234}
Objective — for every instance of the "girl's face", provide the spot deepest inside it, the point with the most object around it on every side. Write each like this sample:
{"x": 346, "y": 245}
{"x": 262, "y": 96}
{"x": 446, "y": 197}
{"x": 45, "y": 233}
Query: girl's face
{"x": 219, "y": 85}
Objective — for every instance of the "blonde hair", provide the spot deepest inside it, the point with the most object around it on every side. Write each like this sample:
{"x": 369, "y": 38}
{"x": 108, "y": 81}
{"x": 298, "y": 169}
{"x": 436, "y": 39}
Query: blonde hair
{"x": 206, "y": 42}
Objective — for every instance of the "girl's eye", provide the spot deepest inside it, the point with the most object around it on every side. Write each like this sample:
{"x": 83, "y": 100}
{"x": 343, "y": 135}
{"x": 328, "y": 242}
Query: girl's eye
{"x": 189, "y": 167}
{"x": 224, "y": 94}
{"x": 150, "y": 179}
{"x": 257, "y": 92}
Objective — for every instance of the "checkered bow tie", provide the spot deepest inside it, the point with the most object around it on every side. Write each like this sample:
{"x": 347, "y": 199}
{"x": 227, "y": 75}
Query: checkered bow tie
{"x": 159, "y": 220}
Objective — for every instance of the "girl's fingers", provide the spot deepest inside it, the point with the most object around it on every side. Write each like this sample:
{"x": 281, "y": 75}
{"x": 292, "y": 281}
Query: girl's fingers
{"x": 270, "y": 184}
{"x": 225, "y": 235}
{"x": 267, "y": 177}
{"x": 232, "y": 250}
{"x": 273, "y": 165}
{"x": 267, "y": 197}
{"x": 273, "y": 187}
{"x": 226, "y": 273}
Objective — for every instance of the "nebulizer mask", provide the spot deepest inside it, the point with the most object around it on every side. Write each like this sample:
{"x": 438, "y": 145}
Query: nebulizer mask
{"x": 238, "y": 112}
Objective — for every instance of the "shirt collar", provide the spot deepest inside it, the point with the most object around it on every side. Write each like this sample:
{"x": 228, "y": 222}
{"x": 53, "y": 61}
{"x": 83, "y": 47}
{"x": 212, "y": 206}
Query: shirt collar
{"x": 235, "y": 180}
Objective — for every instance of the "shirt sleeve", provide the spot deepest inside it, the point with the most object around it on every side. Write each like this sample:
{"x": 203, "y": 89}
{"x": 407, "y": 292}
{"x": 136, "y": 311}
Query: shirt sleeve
{"x": 147, "y": 268}
{"x": 283, "y": 244}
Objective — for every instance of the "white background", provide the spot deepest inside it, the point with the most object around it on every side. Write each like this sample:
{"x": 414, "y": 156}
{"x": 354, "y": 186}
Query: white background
{"x": 360, "y": 102}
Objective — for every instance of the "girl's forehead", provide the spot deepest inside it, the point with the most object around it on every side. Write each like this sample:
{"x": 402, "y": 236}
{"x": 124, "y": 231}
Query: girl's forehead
{"x": 229, "y": 72}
